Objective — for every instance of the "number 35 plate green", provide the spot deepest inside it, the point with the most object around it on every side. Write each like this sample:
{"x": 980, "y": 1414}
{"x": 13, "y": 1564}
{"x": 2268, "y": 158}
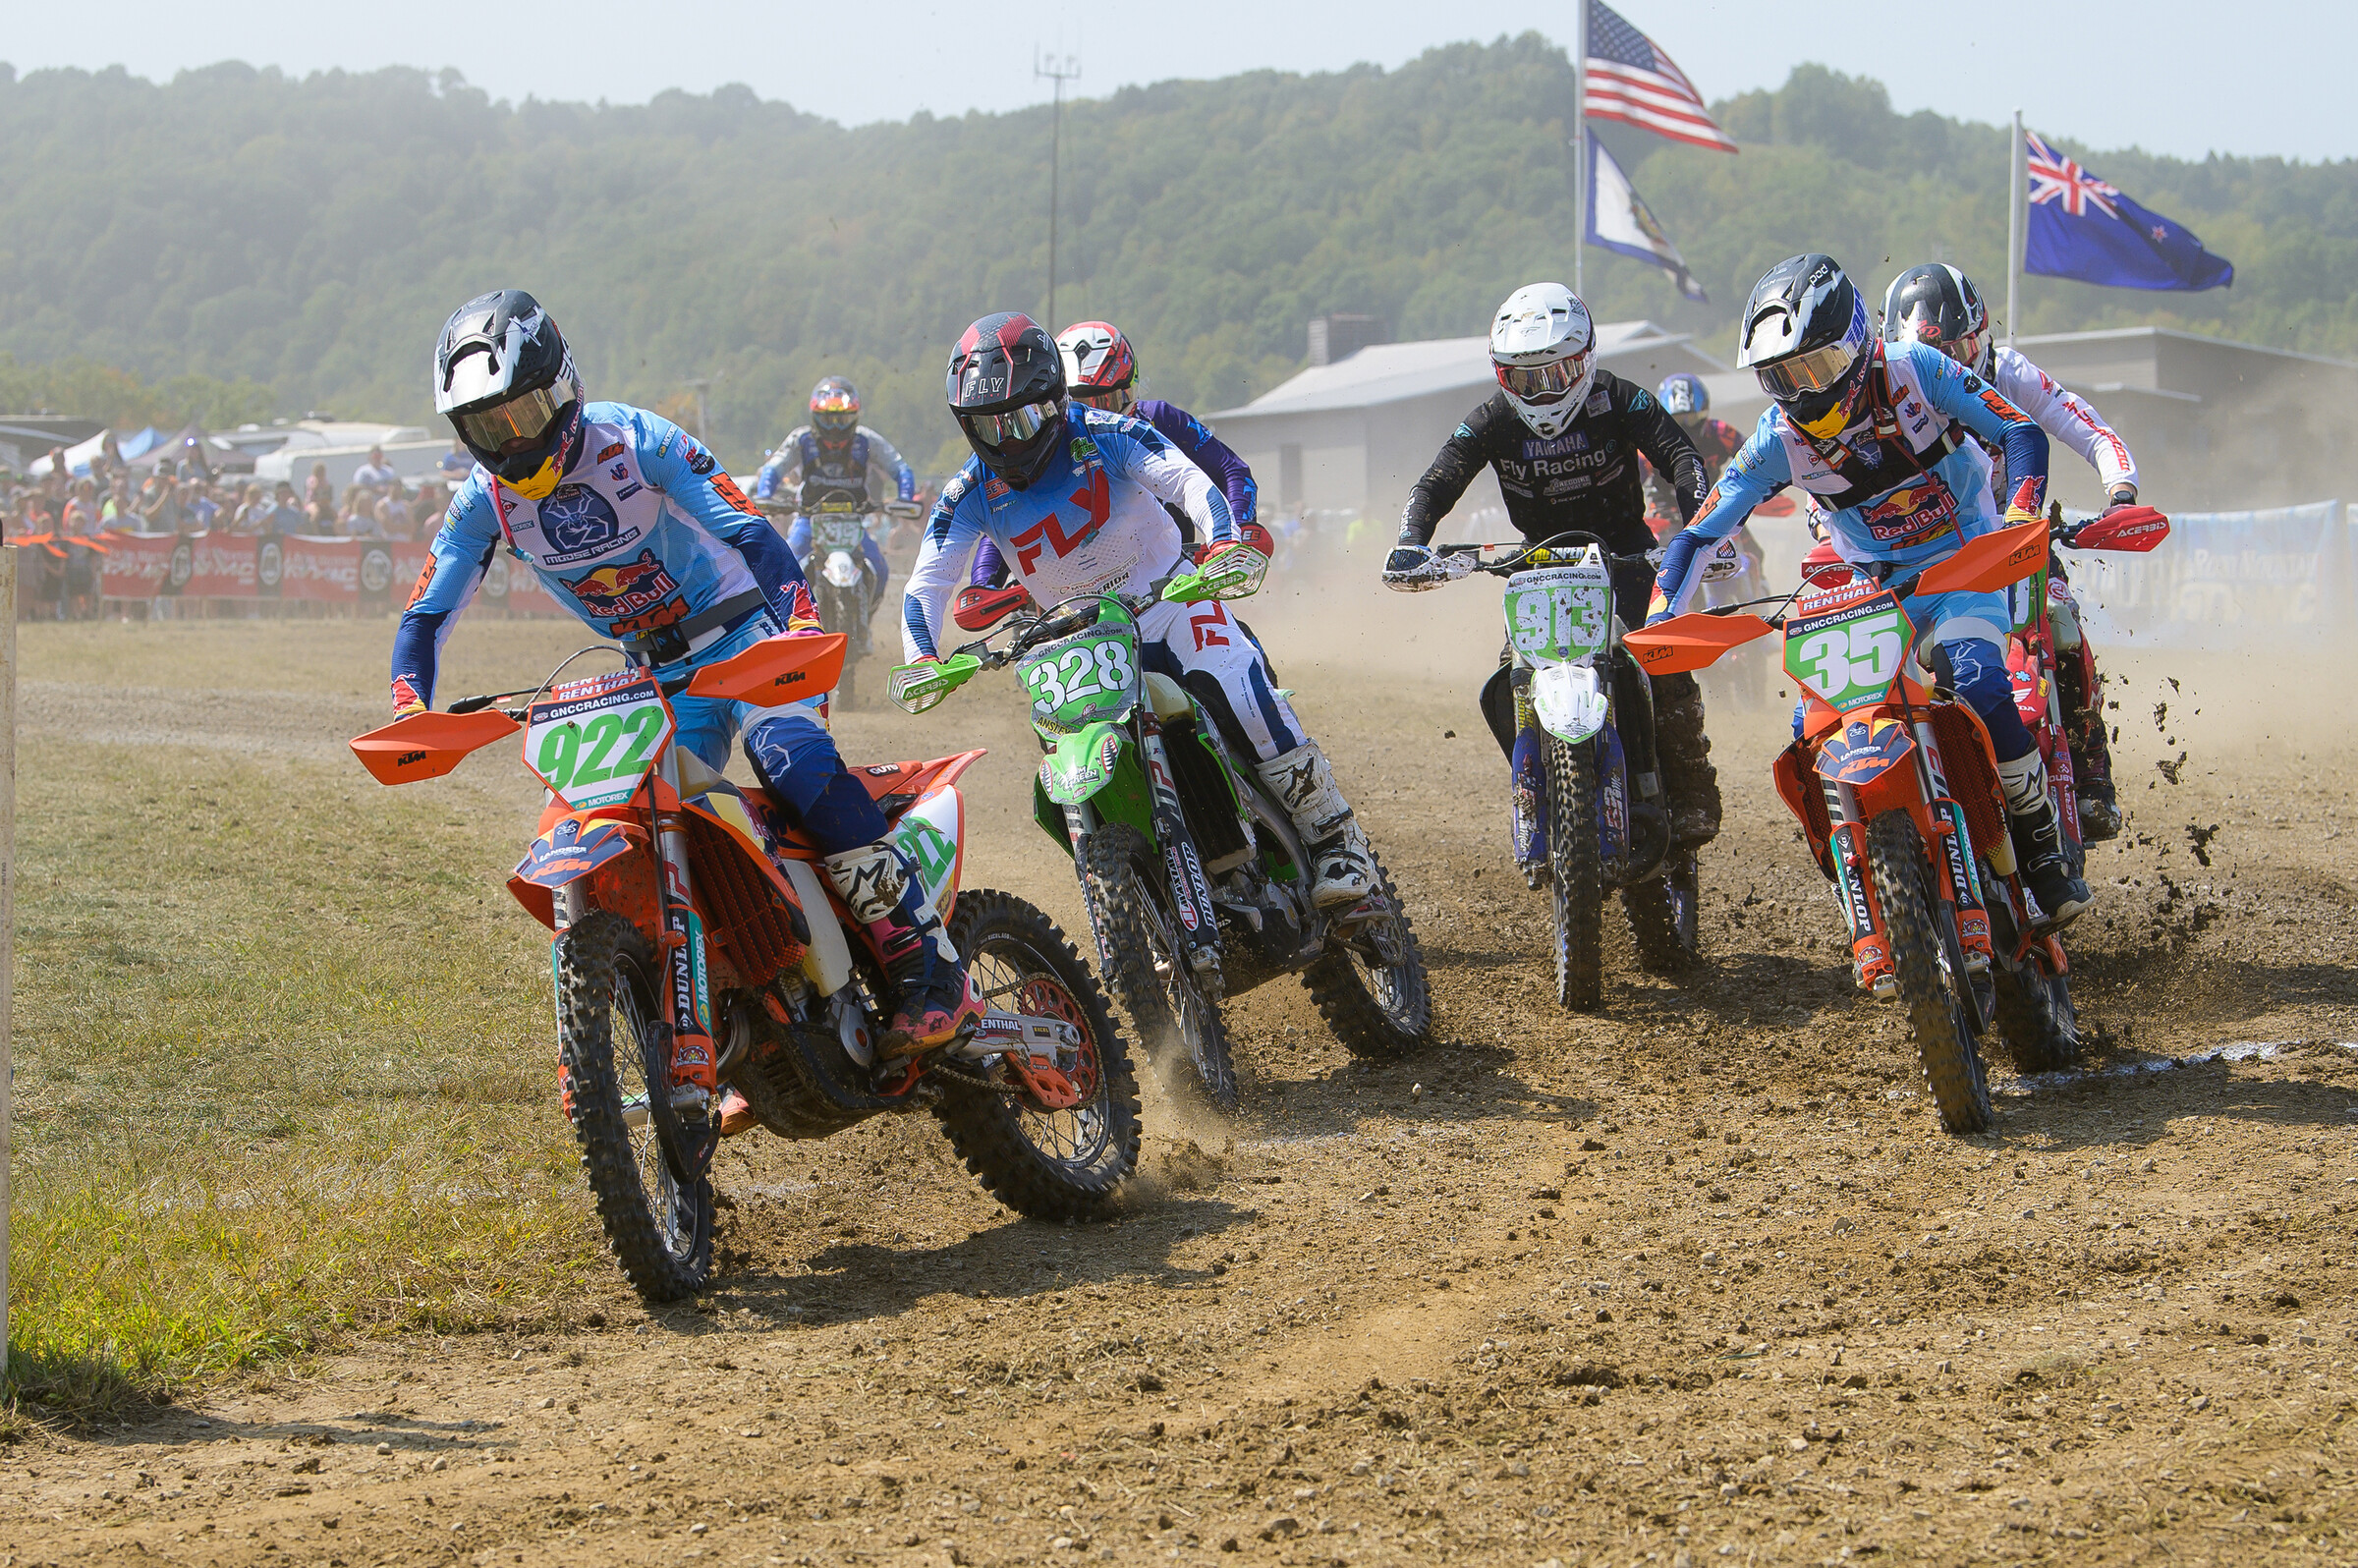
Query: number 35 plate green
{"x": 593, "y": 741}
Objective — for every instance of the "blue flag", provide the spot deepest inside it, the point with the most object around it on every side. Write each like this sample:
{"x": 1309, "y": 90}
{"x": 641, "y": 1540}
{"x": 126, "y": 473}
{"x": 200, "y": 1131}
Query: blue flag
{"x": 1620, "y": 221}
{"x": 2084, "y": 228}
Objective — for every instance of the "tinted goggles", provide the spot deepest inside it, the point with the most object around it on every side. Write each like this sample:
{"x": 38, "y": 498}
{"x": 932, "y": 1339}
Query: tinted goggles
{"x": 1804, "y": 373}
{"x": 519, "y": 424}
{"x": 1542, "y": 383}
{"x": 1011, "y": 426}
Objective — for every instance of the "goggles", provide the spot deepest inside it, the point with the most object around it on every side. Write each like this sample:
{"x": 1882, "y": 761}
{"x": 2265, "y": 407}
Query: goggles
{"x": 1813, "y": 371}
{"x": 1011, "y": 426}
{"x": 517, "y": 425}
{"x": 1544, "y": 383}
{"x": 840, "y": 414}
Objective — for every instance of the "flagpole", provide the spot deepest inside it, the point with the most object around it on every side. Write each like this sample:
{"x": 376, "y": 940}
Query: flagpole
{"x": 1580, "y": 150}
{"x": 2014, "y": 229}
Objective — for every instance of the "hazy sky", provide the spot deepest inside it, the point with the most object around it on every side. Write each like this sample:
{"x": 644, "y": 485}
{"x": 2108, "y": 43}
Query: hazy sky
{"x": 2173, "y": 75}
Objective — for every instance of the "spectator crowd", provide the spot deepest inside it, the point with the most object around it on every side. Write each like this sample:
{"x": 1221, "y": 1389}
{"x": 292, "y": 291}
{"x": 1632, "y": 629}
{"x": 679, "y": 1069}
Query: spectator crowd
{"x": 183, "y": 496}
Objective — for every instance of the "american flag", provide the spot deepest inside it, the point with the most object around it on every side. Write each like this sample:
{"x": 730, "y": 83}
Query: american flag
{"x": 2055, "y": 178}
{"x": 1633, "y": 81}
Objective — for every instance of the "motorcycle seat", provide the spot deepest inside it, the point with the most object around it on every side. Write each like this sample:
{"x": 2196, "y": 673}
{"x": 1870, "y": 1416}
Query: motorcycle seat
{"x": 893, "y": 786}
{"x": 1170, "y": 698}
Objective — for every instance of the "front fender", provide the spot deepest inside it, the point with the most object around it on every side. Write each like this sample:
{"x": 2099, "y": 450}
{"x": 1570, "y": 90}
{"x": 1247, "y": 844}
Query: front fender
{"x": 569, "y": 849}
{"x": 1079, "y": 765}
{"x": 1569, "y": 700}
{"x": 1864, "y": 749}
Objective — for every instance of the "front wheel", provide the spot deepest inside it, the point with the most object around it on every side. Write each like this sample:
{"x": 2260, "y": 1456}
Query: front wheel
{"x": 2037, "y": 1019}
{"x": 1045, "y": 1165}
{"x": 1376, "y": 1009}
{"x": 611, "y": 1062}
{"x": 1661, "y": 909}
{"x": 1945, "y": 1045}
{"x": 1139, "y": 950}
{"x": 1574, "y": 858}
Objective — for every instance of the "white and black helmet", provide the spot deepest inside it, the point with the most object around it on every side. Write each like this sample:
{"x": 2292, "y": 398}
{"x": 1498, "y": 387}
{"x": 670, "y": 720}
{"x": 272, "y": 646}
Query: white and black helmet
{"x": 505, "y": 380}
{"x": 1938, "y": 305}
{"x": 1805, "y": 335}
{"x": 1543, "y": 352}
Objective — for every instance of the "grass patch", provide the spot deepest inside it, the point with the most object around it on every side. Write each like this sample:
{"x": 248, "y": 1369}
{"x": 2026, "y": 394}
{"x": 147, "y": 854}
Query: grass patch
{"x": 276, "y": 1083}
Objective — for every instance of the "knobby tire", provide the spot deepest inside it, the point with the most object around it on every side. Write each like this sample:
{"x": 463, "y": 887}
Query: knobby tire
{"x": 1119, "y": 879}
{"x": 602, "y": 958}
{"x": 1661, "y": 908}
{"x": 1954, "y": 1072}
{"x": 1344, "y": 987}
{"x": 1575, "y": 862}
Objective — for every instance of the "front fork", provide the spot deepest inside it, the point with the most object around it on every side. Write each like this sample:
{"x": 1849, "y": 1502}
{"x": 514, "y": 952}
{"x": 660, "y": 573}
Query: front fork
{"x": 1191, "y": 893}
{"x": 689, "y": 983}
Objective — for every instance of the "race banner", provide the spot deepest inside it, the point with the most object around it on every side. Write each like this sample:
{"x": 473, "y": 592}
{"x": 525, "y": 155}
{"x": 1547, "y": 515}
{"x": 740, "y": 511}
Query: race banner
{"x": 2225, "y": 580}
{"x": 367, "y": 573}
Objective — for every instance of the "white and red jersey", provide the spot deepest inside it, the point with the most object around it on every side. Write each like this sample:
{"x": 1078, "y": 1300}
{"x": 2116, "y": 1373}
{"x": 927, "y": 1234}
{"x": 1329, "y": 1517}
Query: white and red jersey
{"x": 2064, "y": 418}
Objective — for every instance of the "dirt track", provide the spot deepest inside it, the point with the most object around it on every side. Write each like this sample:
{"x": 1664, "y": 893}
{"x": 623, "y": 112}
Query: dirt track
{"x": 1697, "y": 1278}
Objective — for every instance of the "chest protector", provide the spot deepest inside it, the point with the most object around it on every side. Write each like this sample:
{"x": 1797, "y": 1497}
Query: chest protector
{"x": 838, "y": 474}
{"x": 1854, "y": 480}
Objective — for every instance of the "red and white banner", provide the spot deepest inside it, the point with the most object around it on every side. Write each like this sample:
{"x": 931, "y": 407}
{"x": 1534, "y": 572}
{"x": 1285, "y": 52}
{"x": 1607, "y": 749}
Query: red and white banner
{"x": 377, "y": 573}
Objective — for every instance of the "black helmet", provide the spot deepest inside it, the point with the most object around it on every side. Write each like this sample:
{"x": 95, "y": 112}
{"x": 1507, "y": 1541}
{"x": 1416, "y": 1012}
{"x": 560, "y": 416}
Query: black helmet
{"x": 1006, "y": 388}
{"x": 504, "y": 378}
{"x": 1938, "y": 305}
{"x": 1805, "y": 333}
{"x": 835, "y": 409}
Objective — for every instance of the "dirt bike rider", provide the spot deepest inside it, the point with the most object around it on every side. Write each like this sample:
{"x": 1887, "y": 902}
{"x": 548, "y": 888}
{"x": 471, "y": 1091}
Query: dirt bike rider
{"x": 836, "y": 452}
{"x": 1685, "y": 398}
{"x": 1565, "y": 437}
{"x": 1040, "y": 461}
{"x": 1099, "y": 371}
{"x": 633, "y": 527}
{"x": 1875, "y": 433}
{"x": 1940, "y": 306}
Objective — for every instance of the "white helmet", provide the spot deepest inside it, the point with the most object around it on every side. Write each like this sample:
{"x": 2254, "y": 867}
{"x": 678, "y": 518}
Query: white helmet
{"x": 1543, "y": 350}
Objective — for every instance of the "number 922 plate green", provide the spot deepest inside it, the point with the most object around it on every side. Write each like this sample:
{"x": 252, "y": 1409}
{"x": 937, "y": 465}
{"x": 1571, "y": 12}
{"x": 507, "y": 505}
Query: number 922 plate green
{"x": 593, "y": 741}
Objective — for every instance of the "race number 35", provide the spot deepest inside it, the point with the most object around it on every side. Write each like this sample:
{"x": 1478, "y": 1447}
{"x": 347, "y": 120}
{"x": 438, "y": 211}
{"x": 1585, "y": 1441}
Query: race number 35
{"x": 1859, "y": 655}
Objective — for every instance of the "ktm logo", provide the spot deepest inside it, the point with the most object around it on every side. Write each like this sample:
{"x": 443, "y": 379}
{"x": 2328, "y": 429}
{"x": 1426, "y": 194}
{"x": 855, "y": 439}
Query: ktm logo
{"x": 407, "y": 758}
{"x": 1094, "y": 500}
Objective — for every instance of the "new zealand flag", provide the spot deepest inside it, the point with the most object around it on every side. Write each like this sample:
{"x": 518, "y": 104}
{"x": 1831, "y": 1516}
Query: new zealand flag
{"x": 2084, "y": 228}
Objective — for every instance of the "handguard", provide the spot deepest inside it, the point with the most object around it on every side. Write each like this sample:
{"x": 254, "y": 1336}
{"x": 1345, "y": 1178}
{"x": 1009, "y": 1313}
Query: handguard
{"x": 978, "y": 609}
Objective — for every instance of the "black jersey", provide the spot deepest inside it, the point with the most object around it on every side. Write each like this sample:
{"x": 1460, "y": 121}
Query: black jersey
{"x": 1588, "y": 476}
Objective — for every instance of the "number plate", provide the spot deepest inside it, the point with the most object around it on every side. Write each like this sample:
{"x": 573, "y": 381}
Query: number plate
{"x": 1559, "y": 613}
{"x": 1084, "y": 680}
{"x": 1847, "y": 656}
{"x": 593, "y": 741}
{"x": 836, "y": 532}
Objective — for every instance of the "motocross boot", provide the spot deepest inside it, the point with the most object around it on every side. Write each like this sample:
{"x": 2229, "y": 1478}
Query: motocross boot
{"x": 2091, "y": 757}
{"x": 937, "y": 1000}
{"x": 1684, "y": 753}
{"x": 2038, "y": 835}
{"x": 1305, "y": 786}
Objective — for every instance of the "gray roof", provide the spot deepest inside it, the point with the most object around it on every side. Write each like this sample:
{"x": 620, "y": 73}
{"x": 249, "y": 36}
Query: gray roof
{"x": 1388, "y": 373}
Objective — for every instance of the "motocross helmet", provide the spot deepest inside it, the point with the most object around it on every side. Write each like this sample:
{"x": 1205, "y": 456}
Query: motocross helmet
{"x": 1099, "y": 364}
{"x": 1006, "y": 390}
{"x": 1805, "y": 334}
{"x": 1684, "y": 394}
{"x": 1938, "y": 305}
{"x": 505, "y": 380}
{"x": 835, "y": 409}
{"x": 1543, "y": 352}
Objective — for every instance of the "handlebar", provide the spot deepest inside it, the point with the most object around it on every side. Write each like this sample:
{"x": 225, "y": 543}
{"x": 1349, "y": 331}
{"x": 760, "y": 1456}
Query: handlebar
{"x": 1541, "y": 552}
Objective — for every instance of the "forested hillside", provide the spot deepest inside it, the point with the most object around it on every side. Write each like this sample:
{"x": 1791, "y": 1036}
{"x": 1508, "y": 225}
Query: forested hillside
{"x": 311, "y": 235}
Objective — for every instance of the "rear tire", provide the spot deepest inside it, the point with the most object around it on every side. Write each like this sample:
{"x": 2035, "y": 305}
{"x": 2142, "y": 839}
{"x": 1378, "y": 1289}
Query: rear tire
{"x": 1574, "y": 856}
{"x": 659, "y": 1225}
{"x": 1661, "y": 910}
{"x": 1049, "y": 1166}
{"x": 1380, "y": 1012}
{"x": 2037, "y": 1019}
{"x": 1144, "y": 961}
{"x": 1954, "y": 1072}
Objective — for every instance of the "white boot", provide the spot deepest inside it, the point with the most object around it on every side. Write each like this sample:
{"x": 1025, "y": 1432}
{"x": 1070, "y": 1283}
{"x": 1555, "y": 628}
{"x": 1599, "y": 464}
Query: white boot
{"x": 1343, "y": 871}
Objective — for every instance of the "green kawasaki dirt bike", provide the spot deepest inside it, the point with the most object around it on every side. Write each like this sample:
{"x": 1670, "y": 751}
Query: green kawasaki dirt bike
{"x": 1196, "y": 881}
{"x": 1597, "y": 803}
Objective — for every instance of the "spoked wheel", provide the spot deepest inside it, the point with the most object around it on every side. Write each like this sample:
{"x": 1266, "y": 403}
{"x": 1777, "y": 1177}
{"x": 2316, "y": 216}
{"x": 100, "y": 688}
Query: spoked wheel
{"x": 1661, "y": 910}
{"x": 1574, "y": 856}
{"x": 610, "y": 1028}
{"x": 2037, "y": 1017}
{"x": 1043, "y": 1163}
{"x": 1376, "y": 1009}
{"x": 1929, "y": 979}
{"x": 1141, "y": 954}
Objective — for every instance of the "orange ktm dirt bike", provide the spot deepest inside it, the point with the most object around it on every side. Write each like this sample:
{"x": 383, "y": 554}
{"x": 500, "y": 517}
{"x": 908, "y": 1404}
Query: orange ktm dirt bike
{"x": 687, "y": 917}
{"x": 1896, "y": 788}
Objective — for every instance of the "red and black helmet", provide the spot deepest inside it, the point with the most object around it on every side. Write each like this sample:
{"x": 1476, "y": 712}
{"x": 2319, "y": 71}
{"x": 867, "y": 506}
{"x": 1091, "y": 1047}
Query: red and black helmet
{"x": 1006, "y": 389}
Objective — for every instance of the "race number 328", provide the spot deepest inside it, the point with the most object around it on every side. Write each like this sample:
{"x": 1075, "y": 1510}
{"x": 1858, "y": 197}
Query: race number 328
{"x": 1084, "y": 671}
{"x": 1854, "y": 659}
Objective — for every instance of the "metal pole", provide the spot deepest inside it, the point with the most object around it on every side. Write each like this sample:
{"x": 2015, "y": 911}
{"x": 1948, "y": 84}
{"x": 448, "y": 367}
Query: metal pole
{"x": 8, "y": 900}
{"x": 1580, "y": 150}
{"x": 1059, "y": 71}
{"x": 2014, "y": 175}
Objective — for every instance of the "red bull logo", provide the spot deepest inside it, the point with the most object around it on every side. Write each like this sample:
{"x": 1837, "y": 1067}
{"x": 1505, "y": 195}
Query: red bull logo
{"x": 1910, "y": 513}
{"x": 612, "y": 592}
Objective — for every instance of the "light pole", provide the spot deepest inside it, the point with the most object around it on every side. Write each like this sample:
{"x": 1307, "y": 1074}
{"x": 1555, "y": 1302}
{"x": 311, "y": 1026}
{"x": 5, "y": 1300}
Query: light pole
{"x": 1060, "y": 69}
